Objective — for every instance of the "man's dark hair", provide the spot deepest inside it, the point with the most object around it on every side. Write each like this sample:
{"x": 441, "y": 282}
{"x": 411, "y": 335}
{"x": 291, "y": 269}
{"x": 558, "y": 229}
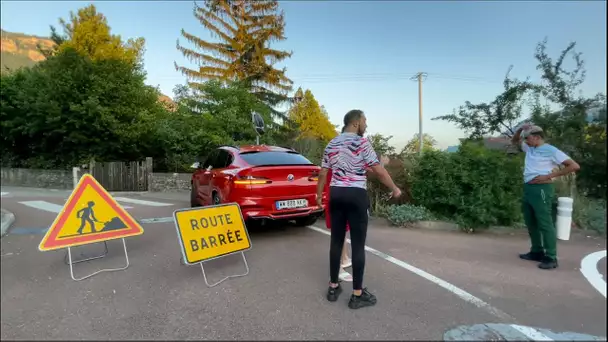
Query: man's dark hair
{"x": 343, "y": 128}
{"x": 352, "y": 116}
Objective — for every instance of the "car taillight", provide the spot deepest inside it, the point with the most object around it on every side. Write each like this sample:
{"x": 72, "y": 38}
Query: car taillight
{"x": 250, "y": 180}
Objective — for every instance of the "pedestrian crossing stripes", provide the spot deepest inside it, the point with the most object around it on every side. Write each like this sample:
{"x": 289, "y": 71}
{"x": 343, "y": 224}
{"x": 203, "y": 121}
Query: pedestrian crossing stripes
{"x": 55, "y": 208}
{"x": 142, "y": 202}
{"x": 43, "y": 205}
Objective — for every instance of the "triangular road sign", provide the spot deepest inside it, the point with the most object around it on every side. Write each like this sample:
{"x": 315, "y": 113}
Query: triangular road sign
{"x": 90, "y": 215}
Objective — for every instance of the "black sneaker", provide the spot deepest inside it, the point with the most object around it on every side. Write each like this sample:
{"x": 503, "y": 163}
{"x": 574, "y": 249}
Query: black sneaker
{"x": 532, "y": 256}
{"x": 365, "y": 299}
{"x": 333, "y": 293}
{"x": 548, "y": 263}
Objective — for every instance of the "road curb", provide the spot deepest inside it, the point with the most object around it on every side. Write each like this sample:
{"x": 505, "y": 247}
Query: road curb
{"x": 7, "y": 219}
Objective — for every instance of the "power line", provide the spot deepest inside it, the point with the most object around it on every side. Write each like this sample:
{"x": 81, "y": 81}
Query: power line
{"x": 364, "y": 77}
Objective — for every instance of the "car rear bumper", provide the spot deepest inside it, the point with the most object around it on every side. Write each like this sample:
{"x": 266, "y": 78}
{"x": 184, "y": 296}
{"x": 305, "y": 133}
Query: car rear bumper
{"x": 264, "y": 208}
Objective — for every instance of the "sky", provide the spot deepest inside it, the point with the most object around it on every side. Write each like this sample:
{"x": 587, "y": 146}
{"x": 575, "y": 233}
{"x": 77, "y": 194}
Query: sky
{"x": 362, "y": 54}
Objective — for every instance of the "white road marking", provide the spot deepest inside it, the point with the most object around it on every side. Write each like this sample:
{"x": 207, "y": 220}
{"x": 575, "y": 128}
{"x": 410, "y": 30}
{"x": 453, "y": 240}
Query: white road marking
{"x": 157, "y": 220}
{"x": 531, "y": 333}
{"x": 452, "y": 288}
{"x": 3, "y": 193}
{"x": 142, "y": 202}
{"x": 589, "y": 270}
{"x": 43, "y": 205}
{"x": 50, "y": 207}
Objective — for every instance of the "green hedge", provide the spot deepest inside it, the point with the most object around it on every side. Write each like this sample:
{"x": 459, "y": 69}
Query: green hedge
{"x": 475, "y": 187}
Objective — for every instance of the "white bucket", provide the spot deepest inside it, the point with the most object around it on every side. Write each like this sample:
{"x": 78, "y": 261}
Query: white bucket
{"x": 563, "y": 225}
{"x": 565, "y": 202}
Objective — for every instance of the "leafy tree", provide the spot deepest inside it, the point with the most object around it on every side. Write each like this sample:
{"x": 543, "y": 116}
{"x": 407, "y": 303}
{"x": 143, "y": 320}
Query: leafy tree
{"x": 46, "y": 123}
{"x": 226, "y": 110}
{"x": 88, "y": 33}
{"x": 412, "y": 146}
{"x": 569, "y": 128}
{"x": 381, "y": 145}
{"x": 245, "y": 30}
{"x": 479, "y": 120}
{"x": 311, "y": 120}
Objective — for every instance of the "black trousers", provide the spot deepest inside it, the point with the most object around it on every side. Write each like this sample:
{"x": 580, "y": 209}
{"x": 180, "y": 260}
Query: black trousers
{"x": 348, "y": 205}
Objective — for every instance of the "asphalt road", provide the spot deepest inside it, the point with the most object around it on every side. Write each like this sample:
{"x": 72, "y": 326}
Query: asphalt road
{"x": 427, "y": 283}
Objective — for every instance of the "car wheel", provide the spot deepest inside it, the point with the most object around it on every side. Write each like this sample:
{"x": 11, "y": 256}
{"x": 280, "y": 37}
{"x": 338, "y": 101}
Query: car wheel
{"x": 306, "y": 221}
{"x": 216, "y": 199}
{"x": 193, "y": 199}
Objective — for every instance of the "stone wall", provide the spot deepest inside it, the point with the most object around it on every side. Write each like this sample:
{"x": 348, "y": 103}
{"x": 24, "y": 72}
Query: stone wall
{"x": 34, "y": 178}
{"x": 169, "y": 181}
{"x": 63, "y": 179}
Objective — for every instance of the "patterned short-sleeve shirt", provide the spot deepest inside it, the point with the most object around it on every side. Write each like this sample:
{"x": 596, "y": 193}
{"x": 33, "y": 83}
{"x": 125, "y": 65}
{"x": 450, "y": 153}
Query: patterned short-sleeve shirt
{"x": 348, "y": 155}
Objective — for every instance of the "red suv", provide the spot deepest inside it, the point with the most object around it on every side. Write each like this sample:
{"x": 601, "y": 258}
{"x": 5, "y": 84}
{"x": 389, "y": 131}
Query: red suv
{"x": 267, "y": 182}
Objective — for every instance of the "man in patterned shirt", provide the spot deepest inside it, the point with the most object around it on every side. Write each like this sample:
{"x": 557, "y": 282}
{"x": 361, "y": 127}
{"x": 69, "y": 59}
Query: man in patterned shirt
{"x": 348, "y": 156}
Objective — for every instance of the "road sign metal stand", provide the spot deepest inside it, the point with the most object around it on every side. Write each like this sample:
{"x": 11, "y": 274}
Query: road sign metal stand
{"x": 105, "y": 252}
{"x": 228, "y": 277}
{"x": 71, "y": 262}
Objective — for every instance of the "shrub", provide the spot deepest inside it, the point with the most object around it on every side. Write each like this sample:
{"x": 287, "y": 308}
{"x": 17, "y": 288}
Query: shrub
{"x": 475, "y": 186}
{"x": 590, "y": 213}
{"x": 406, "y": 214}
{"x": 379, "y": 194}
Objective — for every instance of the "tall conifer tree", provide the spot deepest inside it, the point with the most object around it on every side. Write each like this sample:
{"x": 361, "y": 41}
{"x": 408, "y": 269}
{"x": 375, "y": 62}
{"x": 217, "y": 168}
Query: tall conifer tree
{"x": 244, "y": 30}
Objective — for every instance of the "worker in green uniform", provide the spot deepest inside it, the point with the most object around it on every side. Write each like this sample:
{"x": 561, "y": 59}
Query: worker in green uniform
{"x": 541, "y": 159}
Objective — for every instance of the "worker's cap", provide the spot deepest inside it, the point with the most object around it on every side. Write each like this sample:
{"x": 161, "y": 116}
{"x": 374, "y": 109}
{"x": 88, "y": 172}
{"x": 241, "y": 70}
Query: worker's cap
{"x": 530, "y": 130}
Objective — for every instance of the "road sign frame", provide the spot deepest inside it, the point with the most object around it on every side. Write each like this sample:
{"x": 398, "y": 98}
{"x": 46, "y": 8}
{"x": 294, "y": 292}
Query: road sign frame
{"x": 133, "y": 227}
{"x": 184, "y": 259}
{"x": 105, "y": 252}
{"x": 71, "y": 262}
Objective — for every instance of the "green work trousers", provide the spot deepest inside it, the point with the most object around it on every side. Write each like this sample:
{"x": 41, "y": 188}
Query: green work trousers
{"x": 537, "y": 207}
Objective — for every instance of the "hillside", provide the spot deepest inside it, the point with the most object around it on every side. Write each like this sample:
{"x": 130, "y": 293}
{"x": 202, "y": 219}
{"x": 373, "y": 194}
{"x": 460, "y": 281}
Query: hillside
{"x": 21, "y": 50}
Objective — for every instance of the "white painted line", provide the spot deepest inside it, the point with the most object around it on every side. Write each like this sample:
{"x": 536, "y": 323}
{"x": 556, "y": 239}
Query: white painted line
{"x": 43, "y": 205}
{"x": 3, "y": 193}
{"x": 452, "y": 288}
{"x": 157, "y": 220}
{"x": 531, "y": 333}
{"x": 589, "y": 270}
{"x": 142, "y": 202}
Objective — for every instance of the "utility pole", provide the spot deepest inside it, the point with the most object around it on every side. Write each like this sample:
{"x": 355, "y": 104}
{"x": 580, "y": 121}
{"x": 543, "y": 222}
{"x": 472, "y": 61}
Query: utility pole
{"x": 419, "y": 77}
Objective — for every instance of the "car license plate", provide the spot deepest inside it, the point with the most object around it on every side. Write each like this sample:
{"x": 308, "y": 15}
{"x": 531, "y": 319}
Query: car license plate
{"x": 292, "y": 204}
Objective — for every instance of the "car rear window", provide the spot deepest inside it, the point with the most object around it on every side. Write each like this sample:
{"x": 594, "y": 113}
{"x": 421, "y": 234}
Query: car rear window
{"x": 275, "y": 158}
